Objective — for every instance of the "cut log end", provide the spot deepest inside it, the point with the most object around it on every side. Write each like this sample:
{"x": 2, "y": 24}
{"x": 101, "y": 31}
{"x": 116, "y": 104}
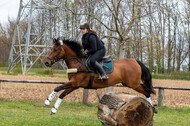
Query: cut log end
{"x": 118, "y": 109}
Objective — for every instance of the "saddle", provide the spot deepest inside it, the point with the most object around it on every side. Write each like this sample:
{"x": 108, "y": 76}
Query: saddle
{"x": 106, "y": 59}
{"x": 106, "y": 62}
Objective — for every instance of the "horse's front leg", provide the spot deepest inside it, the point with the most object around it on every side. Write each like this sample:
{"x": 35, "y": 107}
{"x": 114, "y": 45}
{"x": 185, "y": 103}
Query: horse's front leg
{"x": 59, "y": 100}
{"x": 52, "y": 95}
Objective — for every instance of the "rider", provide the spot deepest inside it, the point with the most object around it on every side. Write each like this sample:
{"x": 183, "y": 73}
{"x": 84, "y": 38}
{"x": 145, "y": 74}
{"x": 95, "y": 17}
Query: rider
{"x": 94, "y": 48}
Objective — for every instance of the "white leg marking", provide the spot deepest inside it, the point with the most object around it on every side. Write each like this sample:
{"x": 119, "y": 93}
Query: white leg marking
{"x": 51, "y": 96}
{"x": 47, "y": 103}
{"x": 56, "y": 106}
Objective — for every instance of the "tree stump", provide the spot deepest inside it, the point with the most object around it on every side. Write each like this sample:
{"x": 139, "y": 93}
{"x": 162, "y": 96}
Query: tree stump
{"x": 119, "y": 109}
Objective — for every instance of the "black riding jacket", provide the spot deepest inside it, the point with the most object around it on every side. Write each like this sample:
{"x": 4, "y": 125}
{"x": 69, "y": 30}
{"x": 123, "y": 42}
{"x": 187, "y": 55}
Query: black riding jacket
{"x": 91, "y": 42}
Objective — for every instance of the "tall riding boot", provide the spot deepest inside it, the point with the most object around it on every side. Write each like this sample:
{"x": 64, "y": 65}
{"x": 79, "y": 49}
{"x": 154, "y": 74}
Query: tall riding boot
{"x": 100, "y": 70}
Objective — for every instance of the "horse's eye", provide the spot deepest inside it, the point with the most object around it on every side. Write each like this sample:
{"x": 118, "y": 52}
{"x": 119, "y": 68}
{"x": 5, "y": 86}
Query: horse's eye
{"x": 55, "y": 50}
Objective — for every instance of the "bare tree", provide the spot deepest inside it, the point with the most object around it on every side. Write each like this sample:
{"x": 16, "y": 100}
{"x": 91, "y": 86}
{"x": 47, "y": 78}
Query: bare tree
{"x": 153, "y": 31}
{"x": 122, "y": 22}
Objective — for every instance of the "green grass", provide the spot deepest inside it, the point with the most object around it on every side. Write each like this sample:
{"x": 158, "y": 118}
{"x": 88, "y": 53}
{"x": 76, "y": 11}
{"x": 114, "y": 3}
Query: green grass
{"x": 178, "y": 75}
{"x": 173, "y": 76}
{"x": 44, "y": 72}
{"x": 38, "y": 70}
{"x": 19, "y": 113}
{"x": 168, "y": 116}
{"x": 3, "y": 68}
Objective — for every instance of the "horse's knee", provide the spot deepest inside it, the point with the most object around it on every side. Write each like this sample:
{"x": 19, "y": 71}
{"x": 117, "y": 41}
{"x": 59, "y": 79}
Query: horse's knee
{"x": 57, "y": 89}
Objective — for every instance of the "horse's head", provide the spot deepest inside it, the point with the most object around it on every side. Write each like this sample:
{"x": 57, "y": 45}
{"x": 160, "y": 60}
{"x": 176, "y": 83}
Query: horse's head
{"x": 56, "y": 53}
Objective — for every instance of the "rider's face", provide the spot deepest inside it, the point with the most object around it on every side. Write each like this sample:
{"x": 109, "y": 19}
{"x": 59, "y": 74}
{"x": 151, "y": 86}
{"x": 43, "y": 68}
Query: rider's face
{"x": 84, "y": 30}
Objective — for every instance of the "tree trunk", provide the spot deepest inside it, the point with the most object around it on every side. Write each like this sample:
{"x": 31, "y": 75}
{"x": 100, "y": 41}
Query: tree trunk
{"x": 169, "y": 44}
{"x": 163, "y": 39}
{"x": 122, "y": 50}
{"x": 189, "y": 52}
{"x": 151, "y": 51}
{"x": 119, "y": 109}
{"x": 174, "y": 43}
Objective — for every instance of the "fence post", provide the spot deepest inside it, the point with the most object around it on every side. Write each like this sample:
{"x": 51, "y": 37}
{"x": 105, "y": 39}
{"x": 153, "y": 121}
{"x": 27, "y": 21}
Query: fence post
{"x": 85, "y": 96}
{"x": 160, "y": 96}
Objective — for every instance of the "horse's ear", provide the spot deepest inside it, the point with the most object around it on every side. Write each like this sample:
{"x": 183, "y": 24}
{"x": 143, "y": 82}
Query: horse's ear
{"x": 61, "y": 42}
{"x": 54, "y": 40}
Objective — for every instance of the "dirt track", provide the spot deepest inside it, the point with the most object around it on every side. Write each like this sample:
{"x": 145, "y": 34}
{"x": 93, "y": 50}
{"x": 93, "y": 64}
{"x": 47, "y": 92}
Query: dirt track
{"x": 39, "y": 92}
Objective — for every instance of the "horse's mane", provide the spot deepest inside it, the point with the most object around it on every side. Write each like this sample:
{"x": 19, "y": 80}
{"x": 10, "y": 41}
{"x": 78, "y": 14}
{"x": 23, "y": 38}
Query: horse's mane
{"x": 75, "y": 46}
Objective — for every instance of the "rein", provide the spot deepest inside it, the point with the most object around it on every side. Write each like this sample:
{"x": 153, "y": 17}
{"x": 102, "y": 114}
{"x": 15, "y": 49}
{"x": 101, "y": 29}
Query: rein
{"x": 56, "y": 58}
{"x": 80, "y": 60}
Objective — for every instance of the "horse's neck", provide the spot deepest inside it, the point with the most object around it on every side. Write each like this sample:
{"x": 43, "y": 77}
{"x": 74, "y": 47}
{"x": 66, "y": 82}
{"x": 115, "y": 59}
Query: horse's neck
{"x": 71, "y": 59}
{"x": 78, "y": 63}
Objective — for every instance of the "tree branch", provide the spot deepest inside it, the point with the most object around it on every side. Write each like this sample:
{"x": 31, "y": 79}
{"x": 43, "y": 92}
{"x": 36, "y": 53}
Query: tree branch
{"x": 95, "y": 17}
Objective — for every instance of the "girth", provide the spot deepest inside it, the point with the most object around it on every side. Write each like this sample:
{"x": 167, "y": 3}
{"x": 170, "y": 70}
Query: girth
{"x": 90, "y": 83}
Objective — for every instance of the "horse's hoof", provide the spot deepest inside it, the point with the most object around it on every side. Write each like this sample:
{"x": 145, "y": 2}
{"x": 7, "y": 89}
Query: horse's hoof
{"x": 53, "y": 111}
{"x": 47, "y": 103}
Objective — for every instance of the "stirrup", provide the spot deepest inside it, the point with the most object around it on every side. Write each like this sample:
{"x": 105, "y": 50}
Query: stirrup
{"x": 104, "y": 77}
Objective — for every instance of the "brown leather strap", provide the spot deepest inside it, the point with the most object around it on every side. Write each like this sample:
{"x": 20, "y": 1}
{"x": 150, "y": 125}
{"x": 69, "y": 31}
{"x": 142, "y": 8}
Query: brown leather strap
{"x": 90, "y": 83}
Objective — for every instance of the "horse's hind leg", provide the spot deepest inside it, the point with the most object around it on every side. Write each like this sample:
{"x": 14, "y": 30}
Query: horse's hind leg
{"x": 141, "y": 89}
{"x": 52, "y": 95}
{"x": 59, "y": 100}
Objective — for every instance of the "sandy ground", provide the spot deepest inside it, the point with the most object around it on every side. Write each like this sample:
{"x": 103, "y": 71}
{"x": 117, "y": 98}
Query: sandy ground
{"x": 39, "y": 92}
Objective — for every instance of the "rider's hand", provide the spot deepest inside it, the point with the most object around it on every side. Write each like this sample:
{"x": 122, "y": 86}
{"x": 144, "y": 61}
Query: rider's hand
{"x": 82, "y": 50}
{"x": 85, "y": 54}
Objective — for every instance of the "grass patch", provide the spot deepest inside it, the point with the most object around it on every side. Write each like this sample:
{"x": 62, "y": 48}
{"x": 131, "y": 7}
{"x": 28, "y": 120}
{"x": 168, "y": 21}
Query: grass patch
{"x": 44, "y": 72}
{"x": 19, "y": 113}
{"x": 40, "y": 75}
{"x": 3, "y": 68}
{"x": 17, "y": 70}
{"x": 180, "y": 75}
{"x": 46, "y": 75}
{"x": 47, "y": 71}
{"x": 37, "y": 70}
{"x": 168, "y": 116}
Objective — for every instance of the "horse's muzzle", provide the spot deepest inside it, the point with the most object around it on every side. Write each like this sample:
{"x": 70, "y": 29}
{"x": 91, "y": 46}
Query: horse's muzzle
{"x": 47, "y": 64}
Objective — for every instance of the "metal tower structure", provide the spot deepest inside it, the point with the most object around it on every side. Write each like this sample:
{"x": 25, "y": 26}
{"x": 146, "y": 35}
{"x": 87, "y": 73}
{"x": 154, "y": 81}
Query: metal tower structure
{"x": 38, "y": 21}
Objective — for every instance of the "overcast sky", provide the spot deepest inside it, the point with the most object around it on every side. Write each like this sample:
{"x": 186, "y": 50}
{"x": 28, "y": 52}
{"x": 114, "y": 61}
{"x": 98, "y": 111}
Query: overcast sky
{"x": 8, "y": 8}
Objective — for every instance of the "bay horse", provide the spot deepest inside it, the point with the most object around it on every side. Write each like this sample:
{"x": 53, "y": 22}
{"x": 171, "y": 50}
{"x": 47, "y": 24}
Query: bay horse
{"x": 128, "y": 72}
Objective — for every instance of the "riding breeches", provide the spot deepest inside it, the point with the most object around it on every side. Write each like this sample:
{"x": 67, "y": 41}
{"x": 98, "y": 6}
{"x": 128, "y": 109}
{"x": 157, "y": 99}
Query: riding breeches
{"x": 97, "y": 56}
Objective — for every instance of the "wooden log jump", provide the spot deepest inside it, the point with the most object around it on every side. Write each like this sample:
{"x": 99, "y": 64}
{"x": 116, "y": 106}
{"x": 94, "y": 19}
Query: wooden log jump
{"x": 119, "y": 109}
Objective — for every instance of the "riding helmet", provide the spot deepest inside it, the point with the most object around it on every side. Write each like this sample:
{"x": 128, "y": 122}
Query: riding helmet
{"x": 85, "y": 25}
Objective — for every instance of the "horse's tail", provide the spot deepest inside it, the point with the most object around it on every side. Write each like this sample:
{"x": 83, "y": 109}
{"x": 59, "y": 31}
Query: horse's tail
{"x": 146, "y": 78}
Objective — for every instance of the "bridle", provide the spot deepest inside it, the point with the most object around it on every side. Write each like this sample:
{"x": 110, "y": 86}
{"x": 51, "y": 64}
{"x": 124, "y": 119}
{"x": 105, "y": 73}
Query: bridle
{"x": 56, "y": 58}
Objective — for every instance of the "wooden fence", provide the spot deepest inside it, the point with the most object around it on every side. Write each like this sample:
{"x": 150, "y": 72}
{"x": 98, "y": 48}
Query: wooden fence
{"x": 161, "y": 92}
{"x": 160, "y": 88}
